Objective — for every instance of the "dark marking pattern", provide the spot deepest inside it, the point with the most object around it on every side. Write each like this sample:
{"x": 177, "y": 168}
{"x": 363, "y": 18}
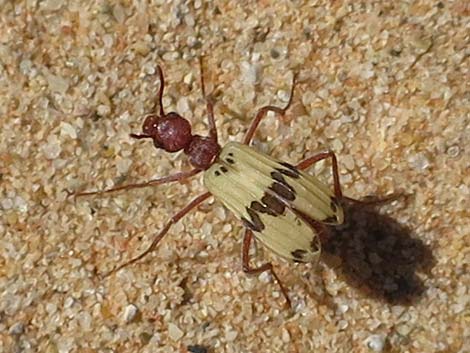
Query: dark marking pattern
{"x": 217, "y": 173}
{"x": 273, "y": 204}
{"x": 299, "y": 254}
{"x": 282, "y": 191}
{"x": 224, "y": 169}
{"x": 291, "y": 171}
{"x": 247, "y": 223}
{"x": 258, "y": 207}
{"x": 315, "y": 244}
{"x": 255, "y": 223}
{"x": 276, "y": 175}
{"x": 331, "y": 219}
{"x": 282, "y": 187}
{"x": 333, "y": 204}
{"x": 230, "y": 161}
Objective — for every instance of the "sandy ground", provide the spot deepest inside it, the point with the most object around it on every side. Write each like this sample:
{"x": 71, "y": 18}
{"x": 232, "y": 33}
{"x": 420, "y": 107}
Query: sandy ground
{"x": 385, "y": 85}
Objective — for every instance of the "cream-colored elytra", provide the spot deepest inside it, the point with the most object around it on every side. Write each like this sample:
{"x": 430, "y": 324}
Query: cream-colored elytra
{"x": 274, "y": 199}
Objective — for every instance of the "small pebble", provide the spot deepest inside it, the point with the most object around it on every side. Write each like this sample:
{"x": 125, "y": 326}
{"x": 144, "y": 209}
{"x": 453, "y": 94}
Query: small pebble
{"x": 171, "y": 56}
{"x": 249, "y": 73}
{"x": 175, "y": 332}
{"x": 342, "y": 325}
{"x": 52, "y": 148}
{"x": 119, "y": 13}
{"x": 453, "y": 151}
{"x": 130, "y": 313}
{"x": 419, "y": 161}
{"x": 182, "y": 105}
{"x": 16, "y": 329}
{"x": 230, "y": 336}
{"x": 103, "y": 110}
{"x": 197, "y": 349}
{"x": 6, "y": 203}
{"x": 51, "y": 5}
{"x": 57, "y": 84}
{"x": 376, "y": 342}
{"x": 67, "y": 129}
{"x": 348, "y": 161}
{"x": 123, "y": 165}
{"x": 285, "y": 336}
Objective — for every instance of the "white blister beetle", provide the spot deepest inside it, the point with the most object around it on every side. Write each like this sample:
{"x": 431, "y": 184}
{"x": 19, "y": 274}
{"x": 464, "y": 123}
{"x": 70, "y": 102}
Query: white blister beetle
{"x": 285, "y": 208}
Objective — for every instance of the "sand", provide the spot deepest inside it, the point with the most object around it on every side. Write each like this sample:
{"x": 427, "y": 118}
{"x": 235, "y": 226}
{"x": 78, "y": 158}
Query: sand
{"x": 383, "y": 85}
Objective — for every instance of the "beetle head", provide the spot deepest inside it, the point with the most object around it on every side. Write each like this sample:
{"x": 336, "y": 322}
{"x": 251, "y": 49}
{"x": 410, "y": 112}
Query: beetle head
{"x": 172, "y": 133}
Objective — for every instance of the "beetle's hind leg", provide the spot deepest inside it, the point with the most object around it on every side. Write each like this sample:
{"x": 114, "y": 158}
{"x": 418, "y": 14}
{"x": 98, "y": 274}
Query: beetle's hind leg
{"x": 308, "y": 162}
{"x": 248, "y": 237}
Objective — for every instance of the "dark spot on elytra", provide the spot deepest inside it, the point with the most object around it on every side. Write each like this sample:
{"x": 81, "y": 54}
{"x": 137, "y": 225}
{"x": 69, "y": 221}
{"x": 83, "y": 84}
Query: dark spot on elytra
{"x": 258, "y": 207}
{"x": 247, "y": 223}
{"x": 315, "y": 244}
{"x": 230, "y": 154}
{"x": 272, "y": 200}
{"x": 283, "y": 191}
{"x": 280, "y": 178}
{"x": 255, "y": 205}
{"x": 274, "y": 204}
{"x": 330, "y": 219}
{"x": 230, "y": 160}
{"x": 224, "y": 169}
{"x": 333, "y": 204}
{"x": 299, "y": 254}
{"x": 217, "y": 173}
{"x": 255, "y": 221}
{"x": 282, "y": 187}
{"x": 291, "y": 171}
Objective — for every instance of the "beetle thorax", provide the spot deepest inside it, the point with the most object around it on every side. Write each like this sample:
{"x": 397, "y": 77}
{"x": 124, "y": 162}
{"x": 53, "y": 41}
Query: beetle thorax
{"x": 202, "y": 151}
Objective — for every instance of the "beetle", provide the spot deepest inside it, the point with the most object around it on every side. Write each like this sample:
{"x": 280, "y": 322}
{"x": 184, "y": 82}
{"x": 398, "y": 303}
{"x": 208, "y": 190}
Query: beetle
{"x": 285, "y": 208}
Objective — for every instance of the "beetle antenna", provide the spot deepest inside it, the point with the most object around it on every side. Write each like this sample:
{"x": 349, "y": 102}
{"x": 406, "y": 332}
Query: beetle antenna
{"x": 209, "y": 104}
{"x": 159, "y": 100}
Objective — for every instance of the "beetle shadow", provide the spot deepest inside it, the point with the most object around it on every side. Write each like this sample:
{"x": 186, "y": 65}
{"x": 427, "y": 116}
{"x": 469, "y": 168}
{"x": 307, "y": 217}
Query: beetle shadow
{"x": 378, "y": 255}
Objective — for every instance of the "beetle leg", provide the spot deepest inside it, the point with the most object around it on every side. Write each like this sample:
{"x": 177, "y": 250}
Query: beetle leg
{"x": 248, "y": 237}
{"x": 183, "y": 212}
{"x": 334, "y": 164}
{"x": 337, "y": 185}
{"x": 264, "y": 110}
{"x": 163, "y": 180}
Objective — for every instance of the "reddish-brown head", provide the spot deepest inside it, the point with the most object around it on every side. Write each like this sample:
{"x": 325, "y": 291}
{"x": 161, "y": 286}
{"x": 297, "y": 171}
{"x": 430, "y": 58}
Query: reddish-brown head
{"x": 172, "y": 133}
